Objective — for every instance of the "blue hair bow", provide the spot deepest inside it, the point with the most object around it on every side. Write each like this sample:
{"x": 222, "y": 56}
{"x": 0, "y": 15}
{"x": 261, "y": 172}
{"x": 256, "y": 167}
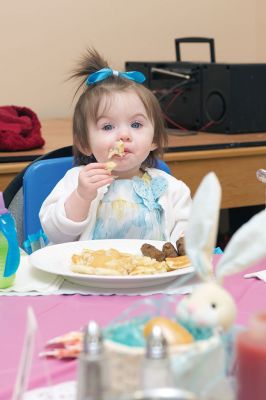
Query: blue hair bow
{"x": 104, "y": 73}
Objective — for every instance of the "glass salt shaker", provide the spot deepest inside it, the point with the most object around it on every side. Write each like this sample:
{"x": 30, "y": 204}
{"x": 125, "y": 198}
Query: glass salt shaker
{"x": 156, "y": 369}
{"x": 92, "y": 366}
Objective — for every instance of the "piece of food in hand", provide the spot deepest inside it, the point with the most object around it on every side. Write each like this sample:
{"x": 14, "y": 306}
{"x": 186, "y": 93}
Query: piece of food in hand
{"x": 118, "y": 149}
{"x": 173, "y": 332}
{"x": 169, "y": 250}
{"x": 174, "y": 263}
{"x": 180, "y": 246}
{"x": 150, "y": 251}
{"x": 110, "y": 165}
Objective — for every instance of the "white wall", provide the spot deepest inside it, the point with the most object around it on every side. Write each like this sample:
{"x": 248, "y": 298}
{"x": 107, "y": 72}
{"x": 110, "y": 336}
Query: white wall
{"x": 41, "y": 40}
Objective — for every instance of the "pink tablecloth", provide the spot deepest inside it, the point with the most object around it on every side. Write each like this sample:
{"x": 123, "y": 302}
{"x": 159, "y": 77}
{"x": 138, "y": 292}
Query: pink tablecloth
{"x": 59, "y": 314}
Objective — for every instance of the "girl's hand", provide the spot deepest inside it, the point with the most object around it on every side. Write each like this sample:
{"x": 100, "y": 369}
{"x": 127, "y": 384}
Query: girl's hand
{"x": 91, "y": 178}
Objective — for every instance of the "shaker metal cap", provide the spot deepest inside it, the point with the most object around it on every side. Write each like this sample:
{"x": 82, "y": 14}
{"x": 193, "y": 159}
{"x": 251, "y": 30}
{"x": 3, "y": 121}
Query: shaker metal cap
{"x": 156, "y": 344}
{"x": 93, "y": 340}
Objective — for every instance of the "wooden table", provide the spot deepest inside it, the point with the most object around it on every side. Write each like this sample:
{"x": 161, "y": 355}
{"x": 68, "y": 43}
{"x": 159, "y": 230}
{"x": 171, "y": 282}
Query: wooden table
{"x": 234, "y": 158}
{"x": 235, "y": 167}
{"x": 56, "y": 132}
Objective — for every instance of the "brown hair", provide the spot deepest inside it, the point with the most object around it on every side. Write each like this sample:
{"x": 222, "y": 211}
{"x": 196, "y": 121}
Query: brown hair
{"x": 88, "y": 104}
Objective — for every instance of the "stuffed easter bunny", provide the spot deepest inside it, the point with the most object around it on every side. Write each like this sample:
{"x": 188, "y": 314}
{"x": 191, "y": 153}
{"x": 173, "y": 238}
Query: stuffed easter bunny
{"x": 209, "y": 305}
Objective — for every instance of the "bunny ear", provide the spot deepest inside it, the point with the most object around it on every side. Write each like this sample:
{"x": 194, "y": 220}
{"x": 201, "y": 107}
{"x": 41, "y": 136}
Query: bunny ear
{"x": 201, "y": 232}
{"x": 246, "y": 246}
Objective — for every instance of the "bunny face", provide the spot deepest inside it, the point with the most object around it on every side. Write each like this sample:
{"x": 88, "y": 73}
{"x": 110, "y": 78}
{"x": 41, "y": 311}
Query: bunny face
{"x": 208, "y": 306}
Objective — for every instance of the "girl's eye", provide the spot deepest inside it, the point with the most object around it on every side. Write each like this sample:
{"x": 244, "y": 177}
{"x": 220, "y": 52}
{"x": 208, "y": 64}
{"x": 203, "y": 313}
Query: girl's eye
{"x": 136, "y": 124}
{"x": 107, "y": 127}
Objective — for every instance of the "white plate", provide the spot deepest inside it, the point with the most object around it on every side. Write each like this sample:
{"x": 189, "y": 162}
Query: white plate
{"x": 56, "y": 259}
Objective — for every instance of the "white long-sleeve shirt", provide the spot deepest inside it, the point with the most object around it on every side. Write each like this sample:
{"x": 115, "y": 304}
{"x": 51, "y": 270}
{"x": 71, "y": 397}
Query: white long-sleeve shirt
{"x": 176, "y": 203}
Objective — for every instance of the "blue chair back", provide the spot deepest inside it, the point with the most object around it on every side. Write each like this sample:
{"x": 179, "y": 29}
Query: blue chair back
{"x": 39, "y": 180}
{"x": 160, "y": 164}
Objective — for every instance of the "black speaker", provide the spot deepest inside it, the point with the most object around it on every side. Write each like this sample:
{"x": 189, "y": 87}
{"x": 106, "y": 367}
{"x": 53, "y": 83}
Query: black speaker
{"x": 212, "y": 97}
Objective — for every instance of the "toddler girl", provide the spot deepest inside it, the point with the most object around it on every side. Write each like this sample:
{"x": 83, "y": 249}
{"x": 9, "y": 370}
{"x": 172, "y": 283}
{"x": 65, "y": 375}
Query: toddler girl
{"x": 115, "y": 191}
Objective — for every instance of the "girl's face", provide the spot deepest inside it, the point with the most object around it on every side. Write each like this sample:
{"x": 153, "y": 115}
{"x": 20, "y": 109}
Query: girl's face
{"x": 122, "y": 116}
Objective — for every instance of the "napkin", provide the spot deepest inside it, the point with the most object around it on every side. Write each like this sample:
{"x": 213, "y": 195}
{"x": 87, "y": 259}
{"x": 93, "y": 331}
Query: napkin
{"x": 174, "y": 287}
{"x": 30, "y": 281}
{"x": 33, "y": 282}
{"x": 259, "y": 275}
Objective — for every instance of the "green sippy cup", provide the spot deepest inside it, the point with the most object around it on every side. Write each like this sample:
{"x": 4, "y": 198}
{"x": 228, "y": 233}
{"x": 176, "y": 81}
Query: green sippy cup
{"x": 9, "y": 248}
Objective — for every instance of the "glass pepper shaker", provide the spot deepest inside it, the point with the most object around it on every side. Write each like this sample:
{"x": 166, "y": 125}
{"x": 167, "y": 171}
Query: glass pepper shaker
{"x": 92, "y": 365}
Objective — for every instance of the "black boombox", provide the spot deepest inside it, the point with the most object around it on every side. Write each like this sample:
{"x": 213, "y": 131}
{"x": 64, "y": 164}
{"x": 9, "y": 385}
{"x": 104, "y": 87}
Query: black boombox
{"x": 211, "y": 97}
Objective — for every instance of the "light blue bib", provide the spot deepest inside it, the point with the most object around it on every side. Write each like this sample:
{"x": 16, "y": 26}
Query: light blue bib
{"x": 130, "y": 210}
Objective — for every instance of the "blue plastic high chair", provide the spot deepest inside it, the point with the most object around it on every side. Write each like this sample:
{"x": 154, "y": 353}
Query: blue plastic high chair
{"x": 39, "y": 180}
